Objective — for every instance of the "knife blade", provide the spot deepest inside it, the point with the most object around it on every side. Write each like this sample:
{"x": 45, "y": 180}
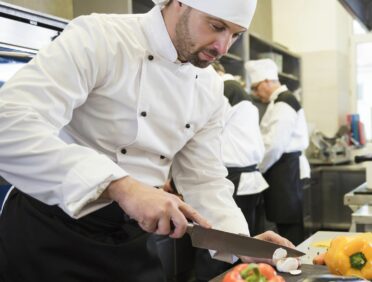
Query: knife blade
{"x": 236, "y": 244}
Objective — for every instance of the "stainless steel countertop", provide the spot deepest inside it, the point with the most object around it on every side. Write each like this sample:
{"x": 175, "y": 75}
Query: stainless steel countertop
{"x": 348, "y": 167}
{"x": 352, "y": 199}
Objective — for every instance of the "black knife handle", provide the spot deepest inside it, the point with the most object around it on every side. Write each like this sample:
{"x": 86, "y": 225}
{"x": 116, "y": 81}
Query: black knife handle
{"x": 363, "y": 158}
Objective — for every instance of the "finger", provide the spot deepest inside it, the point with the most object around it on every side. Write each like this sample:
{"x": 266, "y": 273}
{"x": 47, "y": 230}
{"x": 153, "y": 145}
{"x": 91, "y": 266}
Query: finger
{"x": 164, "y": 226}
{"x": 285, "y": 242}
{"x": 192, "y": 214}
{"x": 179, "y": 223}
{"x": 178, "y": 231}
{"x": 148, "y": 226}
{"x": 167, "y": 188}
{"x": 275, "y": 238}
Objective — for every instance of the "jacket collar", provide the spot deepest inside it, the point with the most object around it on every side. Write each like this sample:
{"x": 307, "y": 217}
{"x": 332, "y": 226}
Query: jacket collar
{"x": 277, "y": 92}
{"x": 157, "y": 34}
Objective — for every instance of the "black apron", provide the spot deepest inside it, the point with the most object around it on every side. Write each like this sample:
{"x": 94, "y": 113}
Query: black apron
{"x": 247, "y": 203}
{"x": 284, "y": 197}
{"x": 41, "y": 243}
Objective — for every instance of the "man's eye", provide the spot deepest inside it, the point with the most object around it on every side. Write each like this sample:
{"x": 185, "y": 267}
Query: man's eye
{"x": 217, "y": 28}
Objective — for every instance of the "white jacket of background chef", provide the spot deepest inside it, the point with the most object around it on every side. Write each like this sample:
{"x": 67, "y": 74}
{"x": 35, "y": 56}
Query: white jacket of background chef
{"x": 284, "y": 130}
{"x": 126, "y": 107}
{"x": 242, "y": 145}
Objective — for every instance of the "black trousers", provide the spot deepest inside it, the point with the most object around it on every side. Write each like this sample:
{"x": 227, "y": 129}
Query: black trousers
{"x": 41, "y": 243}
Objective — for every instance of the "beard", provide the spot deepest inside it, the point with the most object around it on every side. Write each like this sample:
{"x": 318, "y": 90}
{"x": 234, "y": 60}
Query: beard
{"x": 185, "y": 45}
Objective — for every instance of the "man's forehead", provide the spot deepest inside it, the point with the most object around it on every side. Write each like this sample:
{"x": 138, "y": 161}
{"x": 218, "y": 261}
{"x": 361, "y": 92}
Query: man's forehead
{"x": 230, "y": 25}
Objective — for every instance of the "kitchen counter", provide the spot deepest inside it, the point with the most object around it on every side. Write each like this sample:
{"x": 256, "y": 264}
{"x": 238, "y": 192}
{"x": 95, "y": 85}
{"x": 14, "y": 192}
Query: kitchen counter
{"x": 311, "y": 251}
{"x": 358, "y": 197}
{"x": 346, "y": 167}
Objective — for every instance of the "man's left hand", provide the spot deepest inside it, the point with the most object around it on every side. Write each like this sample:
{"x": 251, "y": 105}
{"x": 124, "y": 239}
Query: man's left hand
{"x": 269, "y": 236}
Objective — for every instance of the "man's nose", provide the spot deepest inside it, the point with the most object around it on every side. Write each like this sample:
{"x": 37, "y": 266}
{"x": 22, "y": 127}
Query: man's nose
{"x": 223, "y": 43}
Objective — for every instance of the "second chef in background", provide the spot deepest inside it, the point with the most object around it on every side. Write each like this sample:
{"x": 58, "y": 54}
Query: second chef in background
{"x": 285, "y": 135}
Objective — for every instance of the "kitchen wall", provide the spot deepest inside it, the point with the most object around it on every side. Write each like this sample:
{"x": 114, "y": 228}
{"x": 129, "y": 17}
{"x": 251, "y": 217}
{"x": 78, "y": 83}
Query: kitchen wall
{"x": 262, "y": 23}
{"x": 83, "y": 7}
{"x": 320, "y": 32}
{"x": 58, "y": 8}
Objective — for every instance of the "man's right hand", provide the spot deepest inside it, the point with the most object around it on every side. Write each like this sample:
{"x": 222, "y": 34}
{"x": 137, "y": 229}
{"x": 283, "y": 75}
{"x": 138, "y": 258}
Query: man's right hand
{"x": 155, "y": 210}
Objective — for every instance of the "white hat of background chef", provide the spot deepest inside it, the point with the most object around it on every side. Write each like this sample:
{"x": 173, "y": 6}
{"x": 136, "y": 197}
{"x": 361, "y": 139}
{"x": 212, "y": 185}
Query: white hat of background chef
{"x": 260, "y": 70}
{"x": 239, "y": 12}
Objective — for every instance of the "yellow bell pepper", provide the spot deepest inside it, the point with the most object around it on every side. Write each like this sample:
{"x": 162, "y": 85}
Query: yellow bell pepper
{"x": 351, "y": 256}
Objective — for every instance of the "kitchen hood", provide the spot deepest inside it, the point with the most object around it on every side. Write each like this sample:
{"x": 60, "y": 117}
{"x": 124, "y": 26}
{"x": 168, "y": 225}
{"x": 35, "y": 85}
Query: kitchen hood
{"x": 360, "y": 10}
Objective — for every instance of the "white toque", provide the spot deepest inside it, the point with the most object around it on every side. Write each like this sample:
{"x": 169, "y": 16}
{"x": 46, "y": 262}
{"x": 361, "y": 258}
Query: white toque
{"x": 239, "y": 12}
{"x": 259, "y": 70}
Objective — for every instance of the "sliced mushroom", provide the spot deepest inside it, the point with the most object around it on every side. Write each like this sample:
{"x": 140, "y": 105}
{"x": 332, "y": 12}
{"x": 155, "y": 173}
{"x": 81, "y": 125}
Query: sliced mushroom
{"x": 296, "y": 272}
{"x": 279, "y": 253}
{"x": 287, "y": 264}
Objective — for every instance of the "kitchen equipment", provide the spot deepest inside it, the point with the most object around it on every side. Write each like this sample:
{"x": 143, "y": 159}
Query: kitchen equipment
{"x": 360, "y": 199}
{"x": 325, "y": 150}
{"x": 236, "y": 244}
{"x": 366, "y": 158}
{"x": 361, "y": 10}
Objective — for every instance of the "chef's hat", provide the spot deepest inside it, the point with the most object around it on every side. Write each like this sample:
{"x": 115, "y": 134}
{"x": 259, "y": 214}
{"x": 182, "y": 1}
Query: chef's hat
{"x": 259, "y": 70}
{"x": 239, "y": 12}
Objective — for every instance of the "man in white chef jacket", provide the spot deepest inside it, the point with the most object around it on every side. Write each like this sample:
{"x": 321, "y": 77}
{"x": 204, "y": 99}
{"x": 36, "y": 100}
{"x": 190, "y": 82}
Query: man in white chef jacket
{"x": 92, "y": 124}
{"x": 285, "y": 135}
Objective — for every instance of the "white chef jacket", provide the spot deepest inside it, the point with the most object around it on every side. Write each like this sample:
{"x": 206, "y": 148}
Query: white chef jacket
{"x": 109, "y": 98}
{"x": 284, "y": 130}
{"x": 242, "y": 145}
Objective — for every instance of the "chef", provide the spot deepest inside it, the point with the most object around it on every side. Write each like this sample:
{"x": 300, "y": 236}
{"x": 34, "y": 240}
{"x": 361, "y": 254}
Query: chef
{"x": 89, "y": 129}
{"x": 285, "y": 135}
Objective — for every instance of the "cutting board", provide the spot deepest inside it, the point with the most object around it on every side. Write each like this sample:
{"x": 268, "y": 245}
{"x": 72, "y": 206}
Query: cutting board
{"x": 307, "y": 270}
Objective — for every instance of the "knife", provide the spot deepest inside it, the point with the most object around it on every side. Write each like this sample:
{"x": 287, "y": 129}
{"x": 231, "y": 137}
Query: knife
{"x": 236, "y": 244}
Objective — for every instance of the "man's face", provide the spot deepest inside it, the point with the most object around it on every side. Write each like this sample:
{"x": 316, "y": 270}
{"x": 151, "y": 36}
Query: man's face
{"x": 262, "y": 90}
{"x": 201, "y": 39}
